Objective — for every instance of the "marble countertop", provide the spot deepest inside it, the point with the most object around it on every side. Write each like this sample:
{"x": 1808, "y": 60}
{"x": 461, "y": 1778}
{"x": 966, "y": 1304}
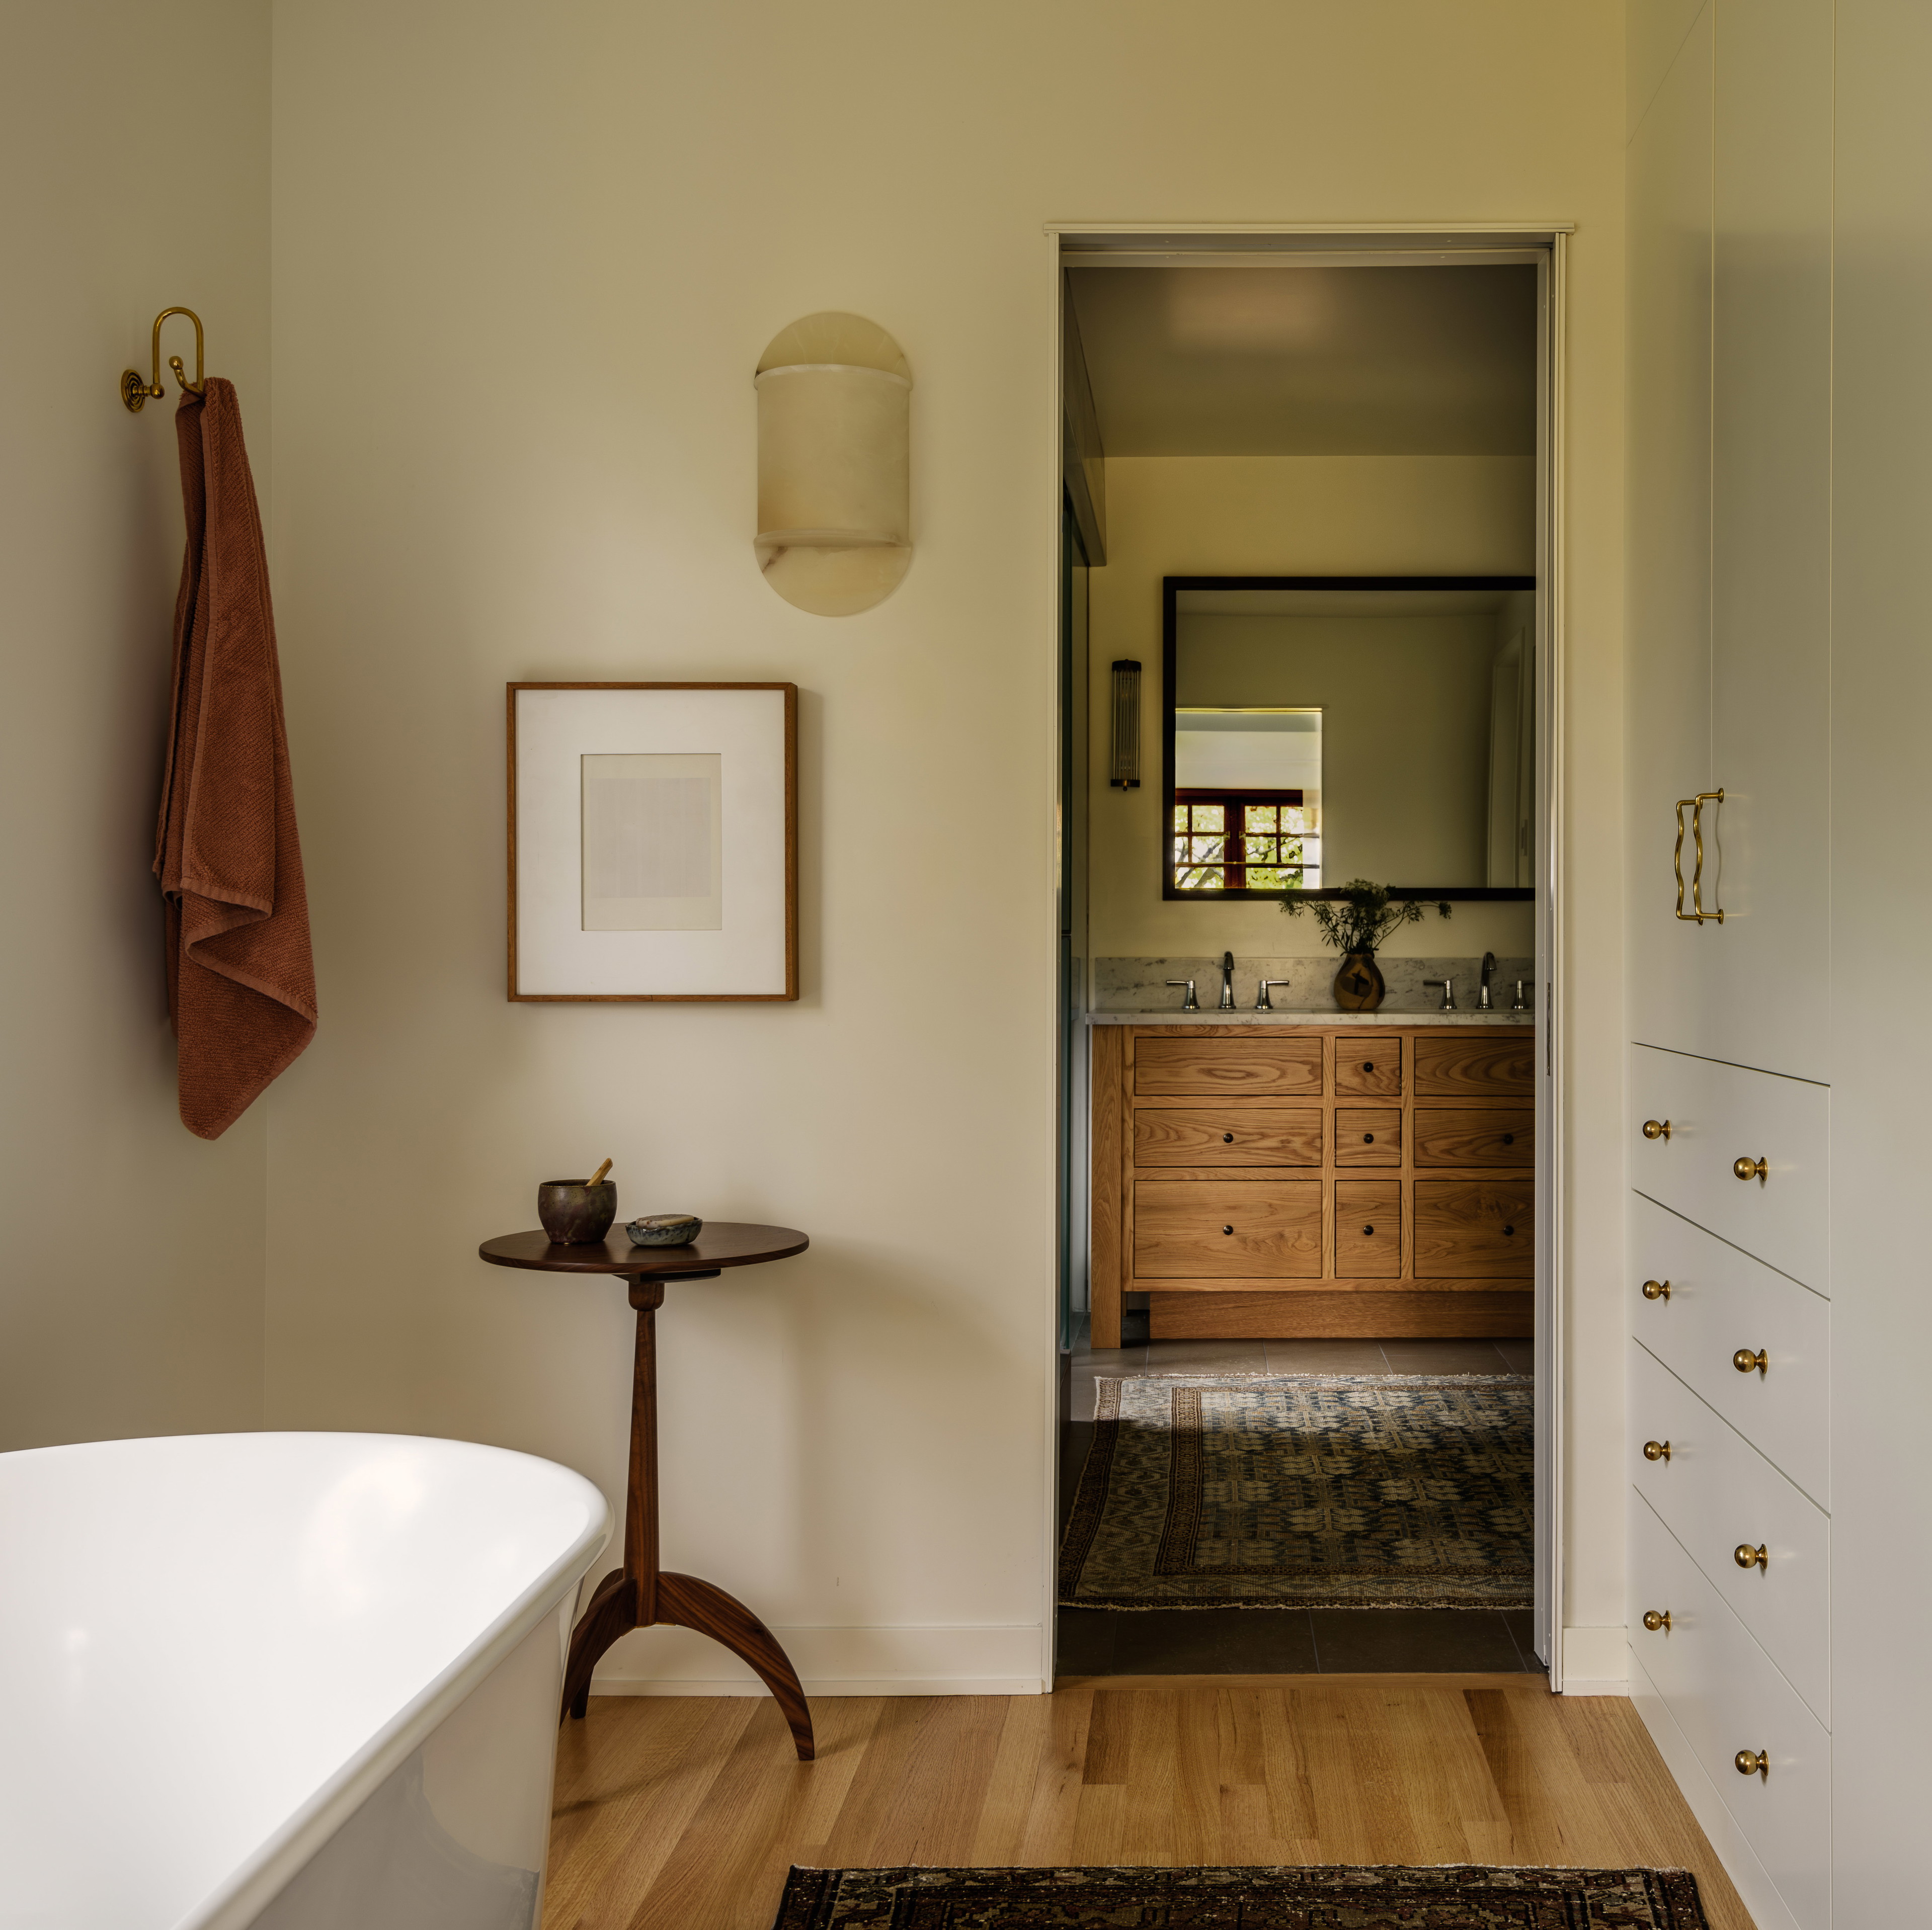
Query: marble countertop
{"x": 1174, "y": 1015}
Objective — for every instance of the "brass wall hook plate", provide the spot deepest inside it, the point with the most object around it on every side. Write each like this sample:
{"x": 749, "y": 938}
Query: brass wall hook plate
{"x": 135, "y": 392}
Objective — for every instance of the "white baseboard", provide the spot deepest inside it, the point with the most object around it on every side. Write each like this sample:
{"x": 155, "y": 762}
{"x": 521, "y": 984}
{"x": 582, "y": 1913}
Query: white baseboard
{"x": 966, "y": 1660}
{"x": 1595, "y": 1662}
{"x": 1768, "y": 1910}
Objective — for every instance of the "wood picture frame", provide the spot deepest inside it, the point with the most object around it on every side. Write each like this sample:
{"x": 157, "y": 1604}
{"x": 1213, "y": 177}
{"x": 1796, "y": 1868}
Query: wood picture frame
{"x": 652, "y": 836}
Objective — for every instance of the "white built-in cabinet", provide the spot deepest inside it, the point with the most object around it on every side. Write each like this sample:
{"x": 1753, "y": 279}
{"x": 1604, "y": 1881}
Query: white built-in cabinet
{"x": 1780, "y": 649}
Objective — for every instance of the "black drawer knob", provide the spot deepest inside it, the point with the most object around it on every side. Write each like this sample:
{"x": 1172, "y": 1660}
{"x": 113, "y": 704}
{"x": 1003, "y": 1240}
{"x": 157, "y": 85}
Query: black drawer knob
{"x": 1370, "y": 1231}
{"x": 1509, "y": 1139}
{"x": 1368, "y": 1139}
{"x": 1368, "y": 1065}
{"x": 1227, "y": 1139}
{"x": 1508, "y": 1231}
{"x": 1227, "y": 1229}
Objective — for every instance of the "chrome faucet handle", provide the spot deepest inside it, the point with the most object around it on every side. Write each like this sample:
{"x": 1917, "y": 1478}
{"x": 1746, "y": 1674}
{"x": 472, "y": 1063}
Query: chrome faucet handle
{"x": 1190, "y": 1003}
{"x": 1448, "y": 985}
{"x": 1522, "y": 1005}
{"x": 1263, "y": 1003}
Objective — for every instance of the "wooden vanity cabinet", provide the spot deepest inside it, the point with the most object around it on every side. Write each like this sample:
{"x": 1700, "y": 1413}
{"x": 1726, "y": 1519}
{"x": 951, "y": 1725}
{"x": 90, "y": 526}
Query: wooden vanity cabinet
{"x": 1271, "y": 1183}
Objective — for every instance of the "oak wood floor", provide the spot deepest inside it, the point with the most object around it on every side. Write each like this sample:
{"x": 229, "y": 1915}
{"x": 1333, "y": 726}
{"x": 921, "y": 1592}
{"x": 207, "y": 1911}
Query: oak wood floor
{"x": 683, "y": 1814}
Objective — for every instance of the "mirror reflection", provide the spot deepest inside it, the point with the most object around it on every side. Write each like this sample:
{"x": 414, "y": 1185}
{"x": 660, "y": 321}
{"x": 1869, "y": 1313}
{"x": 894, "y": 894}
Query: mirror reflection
{"x": 1319, "y": 732}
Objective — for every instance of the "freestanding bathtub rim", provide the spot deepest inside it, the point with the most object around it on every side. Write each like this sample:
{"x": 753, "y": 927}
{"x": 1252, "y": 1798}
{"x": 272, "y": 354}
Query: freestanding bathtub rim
{"x": 238, "y": 1896}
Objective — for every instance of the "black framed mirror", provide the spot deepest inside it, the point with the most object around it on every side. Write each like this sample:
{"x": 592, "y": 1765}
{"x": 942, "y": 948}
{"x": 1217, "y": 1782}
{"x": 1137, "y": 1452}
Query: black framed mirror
{"x": 1319, "y": 729}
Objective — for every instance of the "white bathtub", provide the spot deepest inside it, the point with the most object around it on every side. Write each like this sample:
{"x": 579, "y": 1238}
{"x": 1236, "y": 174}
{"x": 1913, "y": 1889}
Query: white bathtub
{"x": 306, "y": 1682}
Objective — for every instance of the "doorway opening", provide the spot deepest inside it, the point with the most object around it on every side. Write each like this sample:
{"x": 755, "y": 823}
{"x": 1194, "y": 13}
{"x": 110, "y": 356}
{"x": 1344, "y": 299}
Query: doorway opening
{"x": 1306, "y": 1418}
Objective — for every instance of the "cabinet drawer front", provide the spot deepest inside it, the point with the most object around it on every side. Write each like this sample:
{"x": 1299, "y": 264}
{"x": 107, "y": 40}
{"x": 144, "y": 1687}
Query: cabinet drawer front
{"x": 1368, "y": 1229}
{"x": 1368, "y": 1065}
{"x": 1368, "y": 1136}
{"x": 1718, "y": 1114}
{"x": 1475, "y": 1229}
{"x": 1722, "y": 1300}
{"x": 1726, "y": 1695}
{"x": 1238, "y": 1230}
{"x": 1484, "y": 1063}
{"x": 1716, "y": 1492}
{"x": 1235, "y": 1136}
{"x": 1475, "y": 1135}
{"x": 1266, "y": 1065}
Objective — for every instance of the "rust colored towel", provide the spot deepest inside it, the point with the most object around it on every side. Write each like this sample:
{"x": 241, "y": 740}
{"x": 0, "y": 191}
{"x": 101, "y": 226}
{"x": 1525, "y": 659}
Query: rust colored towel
{"x": 241, "y": 980}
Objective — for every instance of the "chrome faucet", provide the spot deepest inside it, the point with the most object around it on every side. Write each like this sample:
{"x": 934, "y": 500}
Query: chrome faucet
{"x": 1263, "y": 1003}
{"x": 1227, "y": 982}
{"x": 1521, "y": 1004}
{"x": 1190, "y": 1003}
{"x": 1448, "y": 985}
{"x": 1483, "y": 990}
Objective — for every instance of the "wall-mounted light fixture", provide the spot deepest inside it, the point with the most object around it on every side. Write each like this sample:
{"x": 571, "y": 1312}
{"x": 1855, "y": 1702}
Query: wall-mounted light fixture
{"x": 1127, "y": 724}
{"x": 834, "y": 464}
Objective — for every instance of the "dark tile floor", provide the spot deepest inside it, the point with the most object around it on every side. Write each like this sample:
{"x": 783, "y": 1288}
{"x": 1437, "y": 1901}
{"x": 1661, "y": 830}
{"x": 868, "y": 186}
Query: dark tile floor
{"x": 1282, "y": 1641}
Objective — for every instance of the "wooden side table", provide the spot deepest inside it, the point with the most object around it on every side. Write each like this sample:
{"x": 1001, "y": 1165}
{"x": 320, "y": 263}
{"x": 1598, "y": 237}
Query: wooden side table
{"x": 640, "y": 1595}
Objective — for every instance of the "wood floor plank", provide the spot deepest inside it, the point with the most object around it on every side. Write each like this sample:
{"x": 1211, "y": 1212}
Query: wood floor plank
{"x": 685, "y": 1815}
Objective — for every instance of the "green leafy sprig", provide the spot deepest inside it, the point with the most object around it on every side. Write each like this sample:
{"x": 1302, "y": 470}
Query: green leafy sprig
{"x": 1362, "y": 917}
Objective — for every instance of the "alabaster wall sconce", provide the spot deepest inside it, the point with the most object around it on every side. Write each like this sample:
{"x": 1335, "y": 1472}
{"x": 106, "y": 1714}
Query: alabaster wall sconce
{"x": 834, "y": 464}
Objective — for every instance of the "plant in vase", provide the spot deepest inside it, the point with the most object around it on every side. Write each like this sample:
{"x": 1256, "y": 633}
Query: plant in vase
{"x": 1355, "y": 922}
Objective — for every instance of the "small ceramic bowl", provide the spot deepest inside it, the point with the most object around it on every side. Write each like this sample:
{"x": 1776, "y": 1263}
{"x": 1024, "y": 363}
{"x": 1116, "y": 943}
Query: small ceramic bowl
{"x": 664, "y": 1229}
{"x": 575, "y": 1214}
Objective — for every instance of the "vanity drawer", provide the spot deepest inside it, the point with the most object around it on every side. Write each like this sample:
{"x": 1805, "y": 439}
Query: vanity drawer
{"x": 1726, "y": 1695}
{"x": 1263, "y": 1064}
{"x": 1368, "y": 1136}
{"x": 1368, "y": 1065}
{"x": 1718, "y": 1114}
{"x": 1716, "y": 1492}
{"x": 1228, "y": 1230}
{"x": 1484, "y": 1062}
{"x": 1475, "y": 1135}
{"x": 1475, "y": 1229}
{"x": 1721, "y": 1300}
{"x": 1368, "y": 1229}
{"x": 1231, "y": 1136}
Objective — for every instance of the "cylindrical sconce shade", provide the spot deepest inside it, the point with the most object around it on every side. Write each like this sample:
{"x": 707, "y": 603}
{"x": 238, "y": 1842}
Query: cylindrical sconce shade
{"x": 1127, "y": 724}
{"x": 834, "y": 464}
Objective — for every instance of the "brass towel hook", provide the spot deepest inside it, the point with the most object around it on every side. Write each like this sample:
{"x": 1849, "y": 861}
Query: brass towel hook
{"x": 135, "y": 392}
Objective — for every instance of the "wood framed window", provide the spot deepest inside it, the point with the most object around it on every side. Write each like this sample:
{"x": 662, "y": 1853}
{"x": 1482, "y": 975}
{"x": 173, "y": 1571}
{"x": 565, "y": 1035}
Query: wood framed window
{"x": 1245, "y": 841}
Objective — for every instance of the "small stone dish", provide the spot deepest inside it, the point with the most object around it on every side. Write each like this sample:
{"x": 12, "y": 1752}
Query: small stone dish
{"x": 664, "y": 1229}
{"x": 575, "y": 1213}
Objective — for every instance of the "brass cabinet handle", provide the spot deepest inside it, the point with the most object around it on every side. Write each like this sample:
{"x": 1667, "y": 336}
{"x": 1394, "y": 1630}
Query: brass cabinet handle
{"x": 1753, "y": 1762}
{"x": 1656, "y": 1289}
{"x": 1657, "y": 1450}
{"x": 1653, "y": 1620}
{"x": 1751, "y": 1169}
{"x": 1696, "y": 915}
{"x": 1657, "y": 1129}
{"x": 1746, "y": 1362}
{"x": 1745, "y": 1556}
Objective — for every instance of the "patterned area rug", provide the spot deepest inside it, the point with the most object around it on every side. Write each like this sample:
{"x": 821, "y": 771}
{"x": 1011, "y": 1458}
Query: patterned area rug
{"x": 1305, "y": 1491}
{"x": 1330, "y": 1897}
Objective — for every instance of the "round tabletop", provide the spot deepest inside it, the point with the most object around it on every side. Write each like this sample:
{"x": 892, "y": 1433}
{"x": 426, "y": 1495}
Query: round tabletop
{"x": 722, "y": 1243}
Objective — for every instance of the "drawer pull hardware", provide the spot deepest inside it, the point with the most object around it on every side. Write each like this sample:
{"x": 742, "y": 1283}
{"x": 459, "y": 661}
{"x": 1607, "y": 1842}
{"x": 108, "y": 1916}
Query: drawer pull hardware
{"x": 1657, "y": 1129}
{"x": 1746, "y": 1362}
{"x": 1753, "y": 1762}
{"x": 1368, "y": 1065}
{"x": 1227, "y": 1139}
{"x": 1509, "y": 1139}
{"x": 1368, "y": 1139}
{"x": 1657, "y": 1450}
{"x": 1656, "y": 1289}
{"x": 1227, "y": 1229}
{"x": 1655, "y": 1619}
{"x": 1745, "y": 1556}
{"x": 1367, "y": 1232}
{"x": 1750, "y": 1169}
{"x": 1696, "y": 915}
{"x": 1509, "y": 1233}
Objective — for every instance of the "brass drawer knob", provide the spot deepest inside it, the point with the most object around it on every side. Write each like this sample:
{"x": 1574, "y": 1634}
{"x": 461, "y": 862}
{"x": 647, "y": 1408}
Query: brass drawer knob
{"x": 1753, "y": 1762}
{"x": 1657, "y": 1450}
{"x": 1657, "y": 1129}
{"x": 1656, "y": 1289}
{"x": 1745, "y": 1556}
{"x": 1654, "y": 1620}
{"x": 1751, "y": 1169}
{"x": 1745, "y": 1361}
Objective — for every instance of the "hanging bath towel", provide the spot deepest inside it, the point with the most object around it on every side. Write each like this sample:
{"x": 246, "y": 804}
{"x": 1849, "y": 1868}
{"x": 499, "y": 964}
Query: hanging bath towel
{"x": 240, "y": 979}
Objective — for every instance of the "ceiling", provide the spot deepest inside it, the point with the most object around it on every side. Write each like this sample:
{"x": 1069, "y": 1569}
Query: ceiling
{"x": 1287, "y": 360}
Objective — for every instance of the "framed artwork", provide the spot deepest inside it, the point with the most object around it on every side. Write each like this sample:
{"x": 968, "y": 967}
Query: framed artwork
{"x": 653, "y": 841}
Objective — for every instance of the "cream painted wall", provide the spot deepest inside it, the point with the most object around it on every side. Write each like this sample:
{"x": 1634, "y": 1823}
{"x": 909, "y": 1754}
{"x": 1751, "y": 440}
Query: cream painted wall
{"x": 1277, "y": 516}
{"x": 525, "y": 262}
{"x": 113, "y": 121}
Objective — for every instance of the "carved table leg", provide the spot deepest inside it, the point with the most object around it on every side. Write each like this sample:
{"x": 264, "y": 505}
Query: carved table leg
{"x": 692, "y": 1604}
